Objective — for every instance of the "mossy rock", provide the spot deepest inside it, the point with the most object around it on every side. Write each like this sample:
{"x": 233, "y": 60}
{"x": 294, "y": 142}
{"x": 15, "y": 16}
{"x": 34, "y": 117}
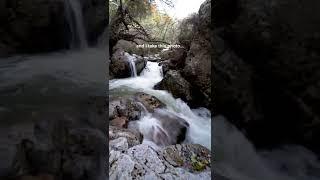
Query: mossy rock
{"x": 193, "y": 157}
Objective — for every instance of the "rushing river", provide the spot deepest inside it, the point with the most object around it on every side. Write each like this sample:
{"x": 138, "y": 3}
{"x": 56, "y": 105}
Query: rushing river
{"x": 237, "y": 159}
{"x": 199, "y": 131}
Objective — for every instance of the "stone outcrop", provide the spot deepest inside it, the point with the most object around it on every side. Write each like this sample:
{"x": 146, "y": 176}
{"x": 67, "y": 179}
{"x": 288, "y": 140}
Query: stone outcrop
{"x": 174, "y": 162}
{"x": 68, "y": 145}
{"x": 190, "y": 79}
{"x": 119, "y": 66}
{"x": 176, "y": 85}
{"x": 197, "y": 69}
{"x": 265, "y": 58}
{"x": 172, "y": 129}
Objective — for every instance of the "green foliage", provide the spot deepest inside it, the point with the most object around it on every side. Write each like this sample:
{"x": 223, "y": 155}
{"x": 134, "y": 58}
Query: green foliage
{"x": 161, "y": 26}
{"x": 186, "y": 30}
{"x": 137, "y": 8}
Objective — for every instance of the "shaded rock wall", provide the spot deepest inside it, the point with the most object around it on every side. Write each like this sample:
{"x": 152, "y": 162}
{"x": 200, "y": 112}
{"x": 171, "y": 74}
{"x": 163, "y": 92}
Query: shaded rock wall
{"x": 33, "y": 26}
{"x": 266, "y": 56}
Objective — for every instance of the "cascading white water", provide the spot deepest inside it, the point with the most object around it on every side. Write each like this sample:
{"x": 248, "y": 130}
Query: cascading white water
{"x": 237, "y": 159}
{"x": 75, "y": 21}
{"x": 131, "y": 61}
{"x": 199, "y": 131}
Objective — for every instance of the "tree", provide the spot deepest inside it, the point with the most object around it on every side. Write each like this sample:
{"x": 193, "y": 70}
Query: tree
{"x": 123, "y": 21}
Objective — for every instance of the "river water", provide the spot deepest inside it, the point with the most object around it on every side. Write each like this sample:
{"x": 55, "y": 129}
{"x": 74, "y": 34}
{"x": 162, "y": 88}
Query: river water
{"x": 237, "y": 159}
{"x": 50, "y": 86}
{"x": 199, "y": 131}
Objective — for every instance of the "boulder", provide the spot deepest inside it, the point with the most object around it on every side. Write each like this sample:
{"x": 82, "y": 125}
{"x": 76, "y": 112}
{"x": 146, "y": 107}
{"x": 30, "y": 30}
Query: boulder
{"x": 175, "y": 57}
{"x": 176, "y": 85}
{"x": 140, "y": 63}
{"x": 125, "y": 107}
{"x": 119, "y": 66}
{"x": 148, "y": 101}
{"x": 172, "y": 129}
{"x": 121, "y": 122}
{"x": 133, "y": 138}
{"x": 124, "y": 45}
{"x": 192, "y": 157}
{"x": 143, "y": 162}
{"x": 133, "y": 107}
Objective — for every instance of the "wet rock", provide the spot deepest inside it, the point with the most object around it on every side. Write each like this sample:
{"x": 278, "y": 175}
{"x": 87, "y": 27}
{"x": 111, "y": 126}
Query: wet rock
{"x": 148, "y": 101}
{"x": 140, "y": 63}
{"x": 175, "y": 127}
{"x": 153, "y": 59}
{"x": 120, "y": 144}
{"x": 171, "y": 130}
{"x": 133, "y": 137}
{"x": 121, "y": 122}
{"x": 125, "y": 107}
{"x": 192, "y": 157}
{"x": 176, "y": 85}
{"x": 119, "y": 64}
{"x": 143, "y": 162}
{"x": 174, "y": 59}
{"x": 165, "y": 67}
{"x": 133, "y": 107}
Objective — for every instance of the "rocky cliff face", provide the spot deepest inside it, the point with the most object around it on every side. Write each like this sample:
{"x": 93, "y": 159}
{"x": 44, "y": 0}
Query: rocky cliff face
{"x": 32, "y": 26}
{"x": 266, "y": 56}
{"x": 194, "y": 85}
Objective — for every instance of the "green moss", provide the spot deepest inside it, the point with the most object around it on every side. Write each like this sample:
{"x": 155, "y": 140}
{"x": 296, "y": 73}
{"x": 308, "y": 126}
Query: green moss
{"x": 179, "y": 161}
{"x": 198, "y": 165}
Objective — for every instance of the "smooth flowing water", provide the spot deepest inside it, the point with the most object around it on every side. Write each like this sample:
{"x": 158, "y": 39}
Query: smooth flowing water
{"x": 75, "y": 21}
{"x": 199, "y": 131}
{"x": 49, "y": 86}
{"x": 131, "y": 61}
{"x": 237, "y": 159}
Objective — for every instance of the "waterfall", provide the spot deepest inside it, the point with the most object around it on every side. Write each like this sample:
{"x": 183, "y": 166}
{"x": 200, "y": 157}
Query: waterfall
{"x": 236, "y": 158}
{"x": 75, "y": 21}
{"x": 132, "y": 65}
{"x": 199, "y": 120}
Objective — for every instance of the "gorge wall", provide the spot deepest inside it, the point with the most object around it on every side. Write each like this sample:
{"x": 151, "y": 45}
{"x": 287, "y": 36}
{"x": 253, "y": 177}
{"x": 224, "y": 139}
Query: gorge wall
{"x": 265, "y": 60}
{"x": 32, "y": 26}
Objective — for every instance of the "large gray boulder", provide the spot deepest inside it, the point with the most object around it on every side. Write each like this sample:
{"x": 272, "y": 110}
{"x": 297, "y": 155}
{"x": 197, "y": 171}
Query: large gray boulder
{"x": 176, "y": 85}
{"x": 119, "y": 66}
{"x": 144, "y": 162}
{"x": 171, "y": 129}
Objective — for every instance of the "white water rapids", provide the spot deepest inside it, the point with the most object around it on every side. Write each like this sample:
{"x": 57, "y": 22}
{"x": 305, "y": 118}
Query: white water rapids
{"x": 237, "y": 159}
{"x": 199, "y": 131}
